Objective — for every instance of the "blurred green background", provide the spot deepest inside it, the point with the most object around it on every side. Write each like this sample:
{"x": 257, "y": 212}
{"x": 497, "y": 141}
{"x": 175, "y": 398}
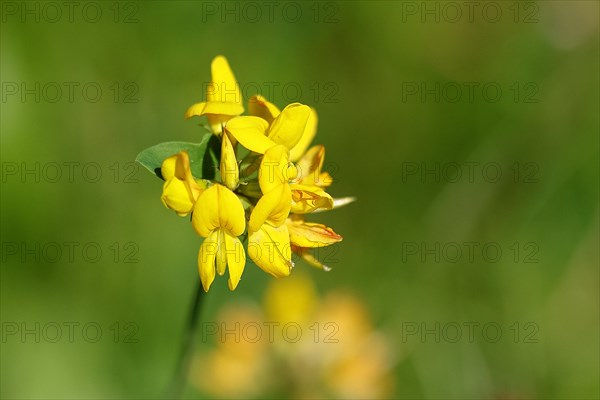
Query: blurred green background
{"x": 383, "y": 77}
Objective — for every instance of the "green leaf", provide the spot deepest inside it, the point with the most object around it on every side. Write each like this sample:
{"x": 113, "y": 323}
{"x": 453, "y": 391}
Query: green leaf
{"x": 204, "y": 156}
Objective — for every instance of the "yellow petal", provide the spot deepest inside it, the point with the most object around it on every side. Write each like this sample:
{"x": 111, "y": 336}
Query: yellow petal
{"x": 176, "y": 196}
{"x": 167, "y": 169}
{"x": 224, "y": 87}
{"x": 214, "y": 108}
{"x": 258, "y": 106}
{"x": 223, "y": 97}
{"x": 288, "y": 127}
{"x": 273, "y": 170}
{"x": 218, "y": 207}
{"x": 273, "y": 207}
{"x": 306, "y": 199}
{"x": 230, "y": 173}
{"x": 310, "y": 234}
{"x": 307, "y": 136}
{"x": 183, "y": 167}
{"x": 217, "y": 114}
{"x": 206, "y": 260}
{"x": 196, "y": 109}
{"x": 236, "y": 259}
{"x": 269, "y": 248}
{"x": 221, "y": 259}
{"x": 180, "y": 190}
{"x": 324, "y": 180}
{"x": 178, "y": 166}
{"x": 250, "y": 132}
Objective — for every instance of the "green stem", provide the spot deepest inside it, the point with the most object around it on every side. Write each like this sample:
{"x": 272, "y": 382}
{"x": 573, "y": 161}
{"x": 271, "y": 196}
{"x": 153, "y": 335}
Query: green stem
{"x": 187, "y": 347}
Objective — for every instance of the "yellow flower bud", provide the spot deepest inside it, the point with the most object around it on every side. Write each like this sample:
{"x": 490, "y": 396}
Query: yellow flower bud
{"x": 230, "y": 173}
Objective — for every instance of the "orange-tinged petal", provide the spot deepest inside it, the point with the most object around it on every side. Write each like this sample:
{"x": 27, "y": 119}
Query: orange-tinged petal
{"x": 269, "y": 248}
{"x": 307, "y": 136}
{"x": 250, "y": 132}
{"x": 218, "y": 207}
{"x": 288, "y": 127}
{"x": 306, "y": 199}
{"x": 310, "y": 234}
{"x": 258, "y": 106}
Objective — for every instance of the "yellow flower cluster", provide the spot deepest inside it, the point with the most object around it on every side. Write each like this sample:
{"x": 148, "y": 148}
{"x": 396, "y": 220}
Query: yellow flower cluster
{"x": 298, "y": 343}
{"x": 262, "y": 196}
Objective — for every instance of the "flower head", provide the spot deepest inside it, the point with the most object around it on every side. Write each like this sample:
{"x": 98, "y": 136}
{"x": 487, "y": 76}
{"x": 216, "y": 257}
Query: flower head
{"x": 266, "y": 183}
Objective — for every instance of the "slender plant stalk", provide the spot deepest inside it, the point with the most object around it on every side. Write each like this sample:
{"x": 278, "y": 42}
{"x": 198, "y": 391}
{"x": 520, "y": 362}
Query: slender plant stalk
{"x": 187, "y": 346}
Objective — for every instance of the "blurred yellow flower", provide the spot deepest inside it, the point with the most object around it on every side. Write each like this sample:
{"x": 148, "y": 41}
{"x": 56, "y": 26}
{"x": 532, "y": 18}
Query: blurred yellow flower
{"x": 296, "y": 345}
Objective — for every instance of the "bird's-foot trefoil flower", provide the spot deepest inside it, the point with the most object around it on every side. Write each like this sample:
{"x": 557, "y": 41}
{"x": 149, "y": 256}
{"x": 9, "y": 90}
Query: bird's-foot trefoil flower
{"x": 219, "y": 218}
{"x": 249, "y": 184}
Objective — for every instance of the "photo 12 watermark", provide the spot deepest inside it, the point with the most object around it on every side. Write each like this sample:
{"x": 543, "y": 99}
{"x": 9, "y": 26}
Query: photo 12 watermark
{"x": 270, "y": 332}
{"x": 277, "y": 92}
{"x": 69, "y": 252}
{"x": 469, "y": 252}
{"x": 468, "y": 332}
{"x": 470, "y": 92}
{"x": 68, "y": 172}
{"x": 253, "y": 12}
{"x": 70, "y": 92}
{"x": 56, "y": 12}
{"x": 69, "y": 332}
{"x": 472, "y": 172}
{"x": 452, "y": 12}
